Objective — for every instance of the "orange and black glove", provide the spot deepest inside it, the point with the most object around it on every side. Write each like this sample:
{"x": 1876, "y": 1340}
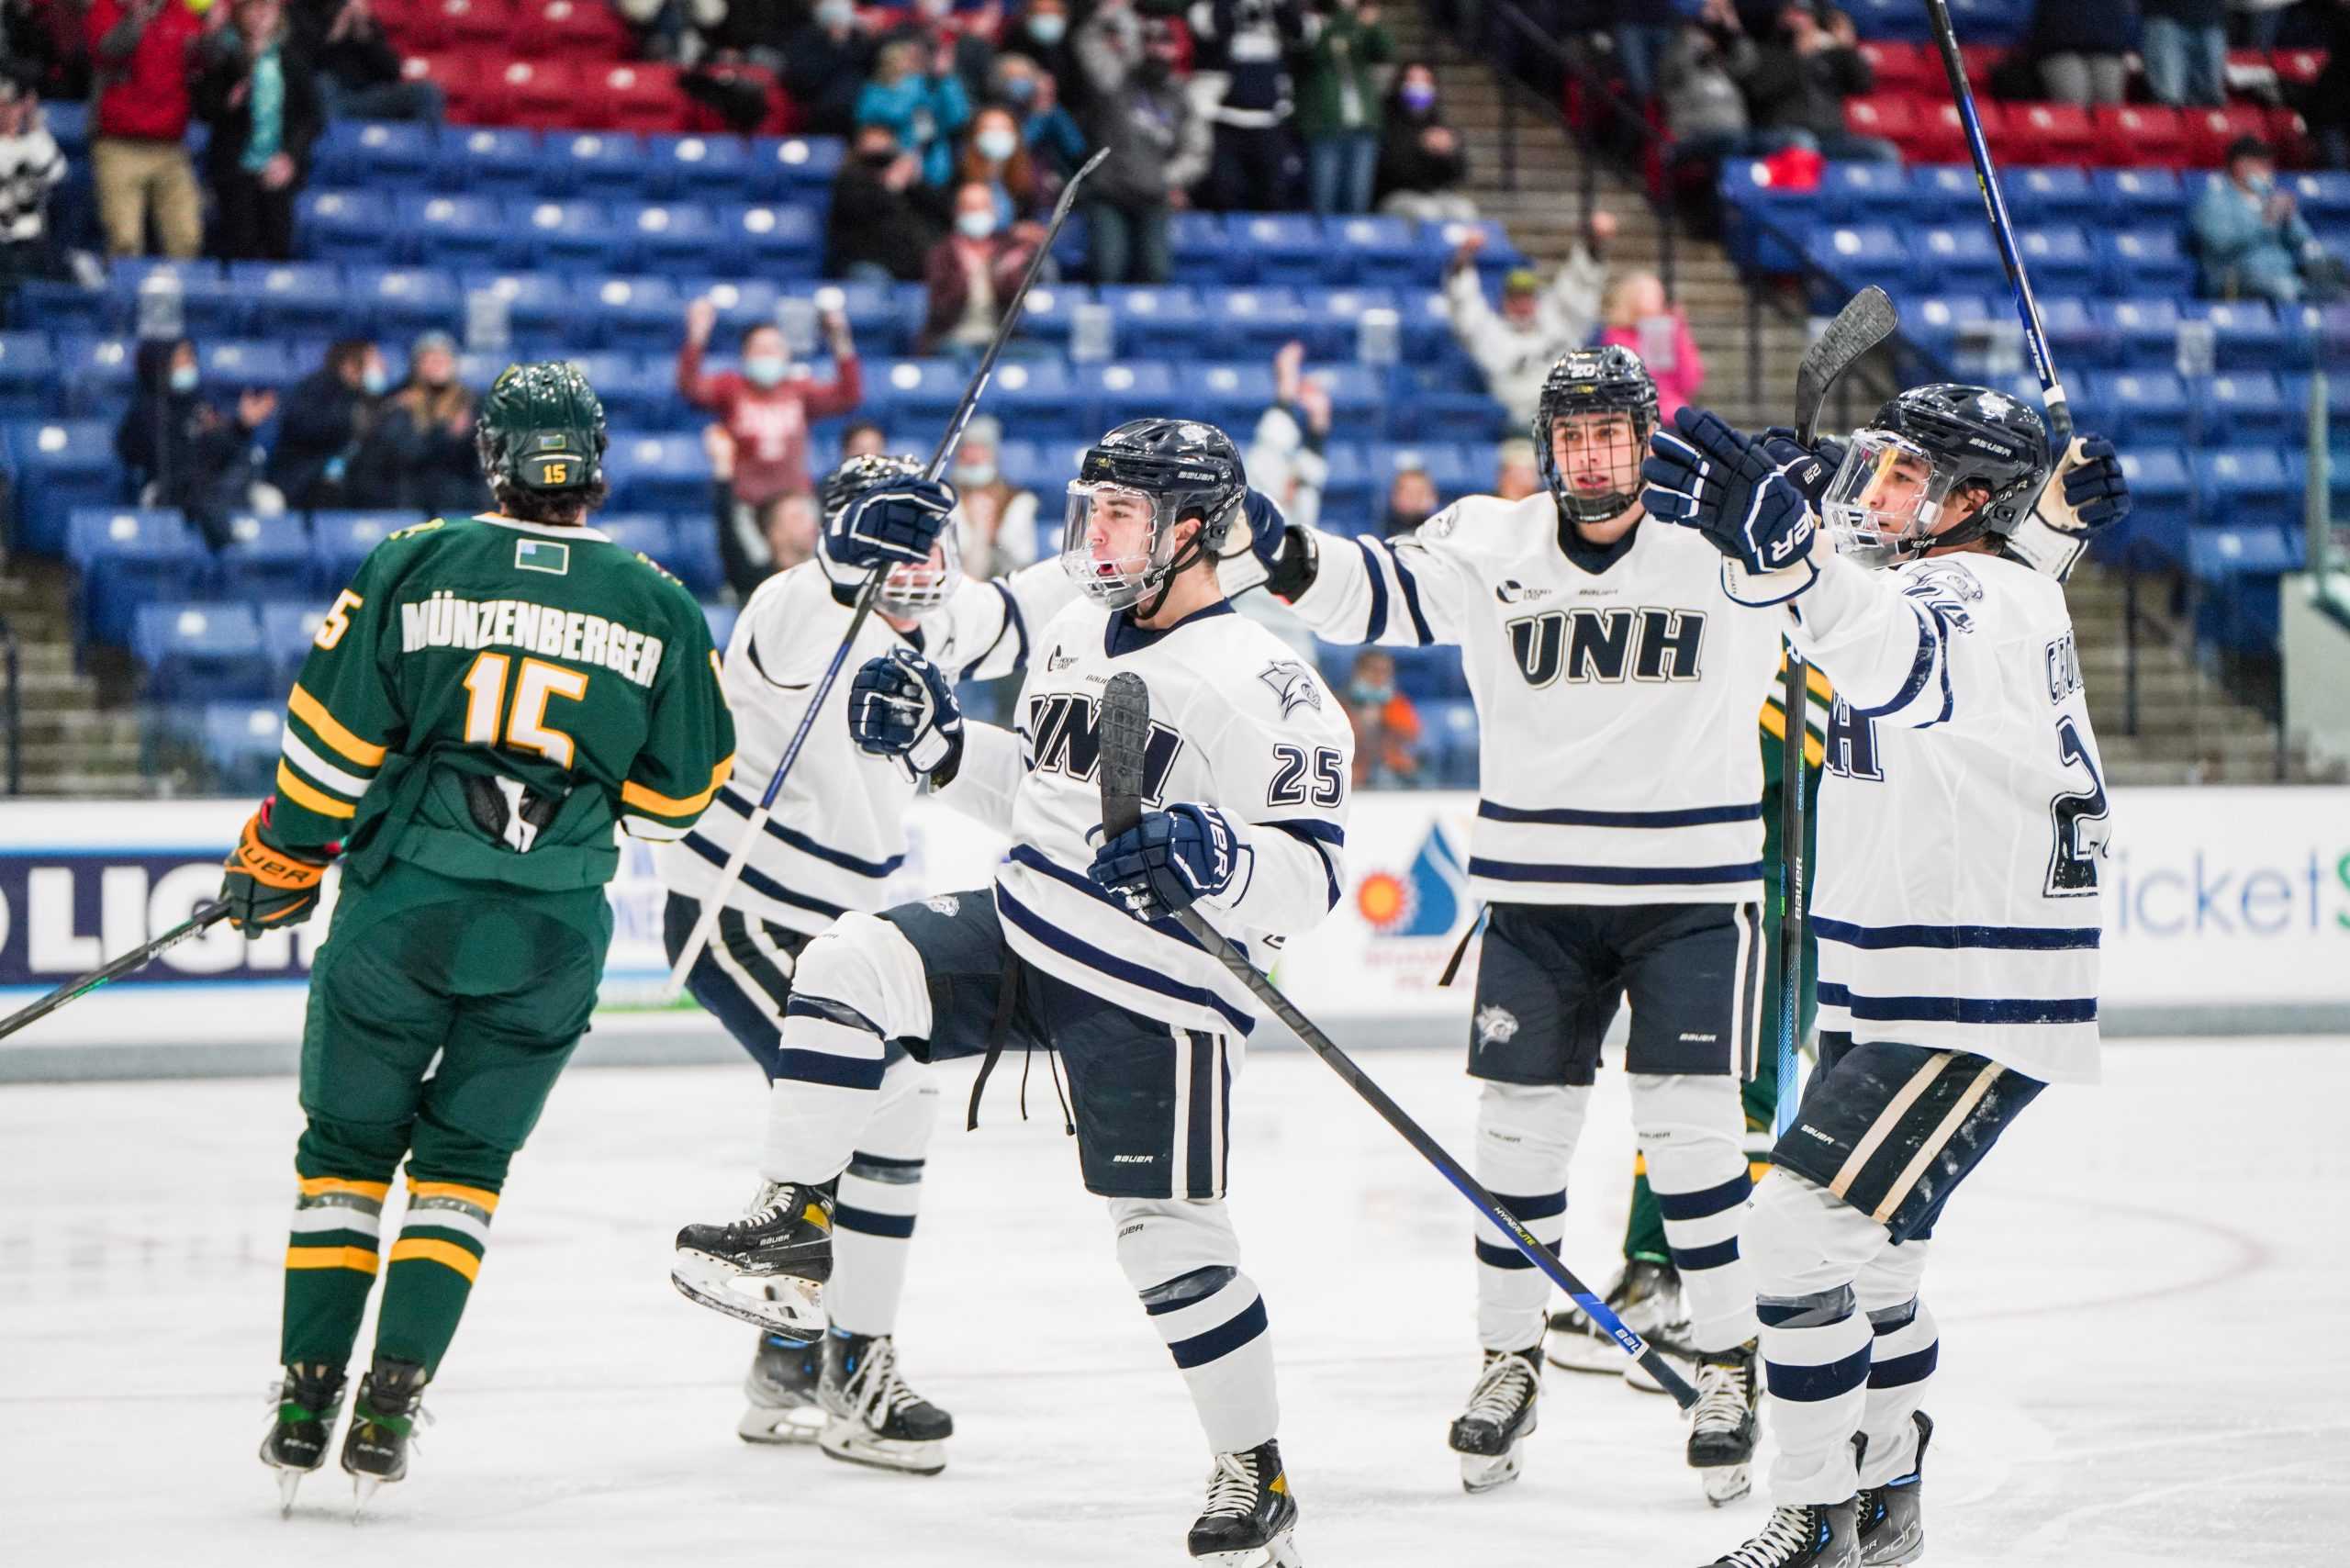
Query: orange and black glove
{"x": 266, "y": 886}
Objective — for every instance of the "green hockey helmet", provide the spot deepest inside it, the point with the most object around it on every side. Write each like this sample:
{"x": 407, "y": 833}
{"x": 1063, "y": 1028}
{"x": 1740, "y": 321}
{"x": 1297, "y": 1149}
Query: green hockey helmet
{"x": 541, "y": 428}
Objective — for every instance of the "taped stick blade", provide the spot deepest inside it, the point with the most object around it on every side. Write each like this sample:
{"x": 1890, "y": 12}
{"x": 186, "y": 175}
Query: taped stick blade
{"x": 1866, "y": 320}
{"x": 1124, "y": 742}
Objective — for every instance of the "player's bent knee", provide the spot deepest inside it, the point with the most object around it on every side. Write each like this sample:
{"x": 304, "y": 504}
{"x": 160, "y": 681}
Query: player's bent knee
{"x": 1546, "y": 1117}
{"x": 1798, "y": 1238}
{"x": 867, "y": 964}
{"x": 1685, "y": 1108}
{"x": 1162, "y": 1241}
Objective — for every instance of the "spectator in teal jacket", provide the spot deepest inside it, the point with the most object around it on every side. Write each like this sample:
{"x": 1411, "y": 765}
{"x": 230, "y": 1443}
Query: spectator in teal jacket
{"x": 2251, "y": 239}
{"x": 924, "y": 111}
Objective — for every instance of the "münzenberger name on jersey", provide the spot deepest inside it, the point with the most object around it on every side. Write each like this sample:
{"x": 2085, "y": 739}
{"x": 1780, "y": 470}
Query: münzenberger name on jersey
{"x": 1963, "y": 814}
{"x": 1616, "y": 702}
{"x": 1237, "y": 723}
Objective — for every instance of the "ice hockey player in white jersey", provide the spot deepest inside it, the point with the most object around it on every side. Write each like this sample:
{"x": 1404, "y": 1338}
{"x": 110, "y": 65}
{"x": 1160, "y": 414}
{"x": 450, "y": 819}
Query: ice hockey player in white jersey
{"x": 837, "y": 834}
{"x": 1618, "y": 845}
{"x": 1961, "y": 825}
{"x": 1074, "y": 951}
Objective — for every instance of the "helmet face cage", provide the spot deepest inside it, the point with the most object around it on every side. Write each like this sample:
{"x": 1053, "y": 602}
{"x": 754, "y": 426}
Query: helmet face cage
{"x": 1178, "y": 469}
{"x": 1886, "y": 498}
{"x": 1978, "y": 439}
{"x": 1120, "y": 581}
{"x": 1594, "y": 383}
{"x": 914, "y": 589}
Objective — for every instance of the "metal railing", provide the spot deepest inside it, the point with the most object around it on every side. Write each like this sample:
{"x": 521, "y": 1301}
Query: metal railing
{"x": 12, "y": 707}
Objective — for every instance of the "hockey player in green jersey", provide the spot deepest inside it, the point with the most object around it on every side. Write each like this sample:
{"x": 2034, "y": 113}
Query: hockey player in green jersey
{"x": 484, "y": 705}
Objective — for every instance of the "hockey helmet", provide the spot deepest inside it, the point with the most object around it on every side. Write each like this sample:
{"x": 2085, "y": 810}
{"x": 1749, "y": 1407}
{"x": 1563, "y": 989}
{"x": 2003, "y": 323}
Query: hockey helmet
{"x": 912, "y": 589}
{"x": 1928, "y": 448}
{"x": 1609, "y": 380}
{"x": 1152, "y": 473}
{"x": 541, "y": 428}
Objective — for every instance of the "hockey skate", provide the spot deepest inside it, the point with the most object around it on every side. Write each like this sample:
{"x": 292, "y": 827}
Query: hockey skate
{"x": 1251, "y": 1518}
{"x": 1646, "y": 1295}
{"x": 1891, "y": 1518}
{"x": 780, "y": 1393}
{"x": 382, "y": 1426}
{"x": 303, "y": 1409}
{"x": 1814, "y": 1536}
{"x": 870, "y": 1416}
{"x": 767, "y": 1268}
{"x": 1501, "y": 1411}
{"x": 1722, "y": 1424}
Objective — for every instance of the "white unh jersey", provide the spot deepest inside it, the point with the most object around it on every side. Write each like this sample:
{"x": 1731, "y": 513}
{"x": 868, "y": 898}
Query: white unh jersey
{"x": 839, "y": 825}
{"x": 1962, "y": 818}
{"x": 1617, "y": 755}
{"x": 1237, "y": 724}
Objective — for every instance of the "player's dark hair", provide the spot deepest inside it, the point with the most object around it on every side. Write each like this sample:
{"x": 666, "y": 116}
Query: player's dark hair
{"x": 557, "y": 509}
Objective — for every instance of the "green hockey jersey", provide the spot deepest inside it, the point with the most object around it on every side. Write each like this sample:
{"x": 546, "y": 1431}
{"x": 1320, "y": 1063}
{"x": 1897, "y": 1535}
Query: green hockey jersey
{"x": 489, "y": 698}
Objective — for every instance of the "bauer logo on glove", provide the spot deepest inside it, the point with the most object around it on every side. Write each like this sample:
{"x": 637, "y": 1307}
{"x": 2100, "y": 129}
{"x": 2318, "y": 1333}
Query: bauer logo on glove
{"x": 266, "y": 886}
{"x": 1168, "y": 862}
{"x": 1747, "y": 497}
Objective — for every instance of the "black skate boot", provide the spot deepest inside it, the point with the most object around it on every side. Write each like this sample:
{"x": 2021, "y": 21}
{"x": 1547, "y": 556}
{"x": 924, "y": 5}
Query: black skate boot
{"x": 1814, "y": 1536}
{"x": 383, "y": 1424}
{"x": 1891, "y": 1517}
{"x": 781, "y": 1390}
{"x": 1250, "y": 1518}
{"x": 870, "y": 1416}
{"x": 296, "y": 1444}
{"x": 1646, "y": 1295}
{"x": 1722, "y": 1423}
{"x": 1502, "y": 1410}
{"x": 767, "y": 1268}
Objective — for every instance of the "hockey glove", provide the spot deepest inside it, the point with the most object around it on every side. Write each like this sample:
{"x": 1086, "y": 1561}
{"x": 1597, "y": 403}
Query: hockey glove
{"x": 267, "y": 887}
{"x": 1703, "y": 475}
{"x": 1168, "y": 861}
{"x": 1252, "y": 550}
{"x": 900, "y": 706}
{"x": 2086, "y": 492}
{"x": 888, "y": 525}
{"x": 1779, "y": 443}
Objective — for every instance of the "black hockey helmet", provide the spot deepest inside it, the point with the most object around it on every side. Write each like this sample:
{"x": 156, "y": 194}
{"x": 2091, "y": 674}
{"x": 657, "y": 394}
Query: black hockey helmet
{"x": 1925, "y": 447}
{"x": 914, "y": 588}
{"x": 1595, "y": 381}
{"x": 541, "y": 428}
{"x": 1180, "y": 468}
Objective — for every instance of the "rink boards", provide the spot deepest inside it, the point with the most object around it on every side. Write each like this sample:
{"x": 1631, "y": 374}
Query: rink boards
{"x": 2227, "y": 909}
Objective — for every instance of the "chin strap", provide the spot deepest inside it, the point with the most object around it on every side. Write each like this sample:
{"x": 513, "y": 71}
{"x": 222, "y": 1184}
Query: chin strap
{"x": 1189, "y": 555}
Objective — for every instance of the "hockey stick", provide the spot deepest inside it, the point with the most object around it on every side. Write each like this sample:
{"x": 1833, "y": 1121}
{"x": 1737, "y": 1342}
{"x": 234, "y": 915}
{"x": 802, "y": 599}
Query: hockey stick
{"x": 1995, "y": 205}
{"x": 715, "y": 899}
{"x": 1866, "y": 320}
{"x": 206, "y": 916}
{"x": 1124, "y": 738}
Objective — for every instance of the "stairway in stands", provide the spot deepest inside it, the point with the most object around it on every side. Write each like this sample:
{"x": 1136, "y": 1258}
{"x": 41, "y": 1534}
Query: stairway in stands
{"x": 68, "y": 742}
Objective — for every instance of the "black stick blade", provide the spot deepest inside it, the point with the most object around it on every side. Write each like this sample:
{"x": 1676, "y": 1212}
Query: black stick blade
{"x": 1866, "y": 320}
{"x": 1124, "y": 740}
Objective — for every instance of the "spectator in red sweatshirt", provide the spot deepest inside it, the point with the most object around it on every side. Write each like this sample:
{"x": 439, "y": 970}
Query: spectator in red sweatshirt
{"x": 142, "y": 53}
{"x": 762, "y": 406}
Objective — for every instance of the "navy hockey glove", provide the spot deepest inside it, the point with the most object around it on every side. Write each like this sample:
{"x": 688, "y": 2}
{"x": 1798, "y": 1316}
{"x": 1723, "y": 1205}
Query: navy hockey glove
{"x": 266, "y": 886}
{"x": 2086, "y": 492}
{"x": 1256, "y": 553}
{"x": 1779, "y": 443}
{"x": 900, "y": 706}
{"x": 888, "y": 525}
{"x": 1168, "y": 861}
{"x": 1703, "y": 475}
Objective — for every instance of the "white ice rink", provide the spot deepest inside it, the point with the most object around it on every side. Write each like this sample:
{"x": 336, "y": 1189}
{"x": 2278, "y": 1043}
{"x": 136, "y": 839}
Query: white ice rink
{"x": 2142, "y": 1298}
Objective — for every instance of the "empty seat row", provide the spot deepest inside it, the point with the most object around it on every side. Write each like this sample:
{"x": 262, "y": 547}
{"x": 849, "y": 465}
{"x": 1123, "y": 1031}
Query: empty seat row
{"x": 1927, "y": 129}
{"x": 2055, "y": 195}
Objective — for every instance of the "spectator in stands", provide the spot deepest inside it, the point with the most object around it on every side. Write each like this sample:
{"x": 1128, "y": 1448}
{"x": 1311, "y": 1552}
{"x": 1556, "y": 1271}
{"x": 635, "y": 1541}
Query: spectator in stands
{"x": 259, "y": 96}
{"x": 1159, "y": 146}
{"x": 754, "y": 542}
{"x": 966, "y": 44}
{"x": 327, "y": 417}
{"x": 1047, "y": 129}
{"x": 2186, "y": 47}
{"x": 42, "y": 42}
{"x": 993, "y": 156}
{"x": 420, "y": 446}
{"x": 1043, "y": 33}
{"x": 2083, "y": 49}
{"x": 884, "y": 220}
{"x": 1386, "y": 725}
{"x": 1338, "y": 104}
{"x": 1644, "y": 30}
{"x": 924, "y": 111}
{"x": 825, "y": 62}
{"x": 2251, "y": 239}
{"x": 1638, "y": 318}
{"x": 1705, "y": 108}
{"x": 863, "y": 438}
{"x": 1411, "y": 501}
{"x": 189, "y": 454}
{"x": 1285, "y": 458}
{"x": 973, "y": 274}
{"x": 1514, "y": 474}
{"x": 1244, "y": 47}
{"x": 2263, "y": 20}
{"x": 31, "y": 166}
{"x": 358, "y": 69}
{"x": 142, "y": 53}
{"x": 1514, "y": 346}
{"x": 1796, "y": 81}
{"x": 1421, "y": 158}
{"x": 997, "y": 523}
{"x": 2326, "y": 106}
{"x": 763, "y": 405}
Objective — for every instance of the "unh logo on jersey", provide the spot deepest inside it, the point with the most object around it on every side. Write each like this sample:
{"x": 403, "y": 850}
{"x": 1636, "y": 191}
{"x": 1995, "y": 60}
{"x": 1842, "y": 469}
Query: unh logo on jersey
{"x": 1587, "y": 645}
{"x": 1065, "y": 737}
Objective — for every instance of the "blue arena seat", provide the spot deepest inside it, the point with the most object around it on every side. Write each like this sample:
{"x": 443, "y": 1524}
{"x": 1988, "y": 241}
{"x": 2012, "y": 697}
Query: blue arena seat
{"x": 2162, "y": 498}
{"x": 2143, "y": 261}
{"x": 659, "y": 474}
{"x": 1154, "y": 322}
{"x": 293, "y": 299}
{"x": 1253, "y": 321}
{"x": 540, "y": 306}
{"x": 491, "y": 161}
{"x": 2246, "y": 333}
{"x": 1962, "y": 258}
{"x": 697, "y": 168}
{"x": 2059, "y": 259}
{"x": 1198, "y": 244}
{"x": 1376, "y": 253}
{"x": 1039, "y": 398}
{"x": 1232, "y": 396}
{"x": 573, "y": 235}
{"x": 1120, "y": 390}
{"x": 636, "y": 315}
{"x": 1944, "y": 194}
{"x": 2145, "y": 407}
{"x": 798, "y": 168}
{"x": 646, "y": 533}
{"x": 693, "y": 557}
{"x": 2054, "y": 194}
{"x": 2145, "y": 332}
{"x": 1277, "y": 248}
{"x": 450, "y": 232}
{"x": 2151, "y": 198}
{"x": 341, "y": 540}
{"x": 2247, "y": 408}
{"x": 378, "y": 155}
{"x": 1763, "y": 221}
{"x": 242, "y": 742}
{"x": 64, "y": 306}
{"x": 199, "y": 650}
{"x": 673, "y": 238}
{"x": 237, "y": 366}
{"x": 600, "y": 165}
{"x": 95, "y": 373}
{"x": 2245, "y": 486}
{"x": 61, "y": 465}
{"x": 289, "y": 627}
{"x": 124, "y": 557}
{"x": 1333, "y": 318}
{"x": 721, "y": 619}
{"x": 29, "y": 370}
{"x": 1863, "y": 253}
{"x": 401, "y": 302}
{"x": 779, "y": 241}
{"x": 265, "y": 557}
{"x": 1862, "y": 193}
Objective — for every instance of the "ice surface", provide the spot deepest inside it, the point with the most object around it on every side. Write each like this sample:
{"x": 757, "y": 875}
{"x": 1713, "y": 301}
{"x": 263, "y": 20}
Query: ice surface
{"x": 2142, "y": 1296}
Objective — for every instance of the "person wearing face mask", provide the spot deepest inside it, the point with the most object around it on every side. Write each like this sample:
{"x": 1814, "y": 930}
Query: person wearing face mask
{"x": 922, "y": 105}
{"x": 766, "y": 406}
{"x": 996, "y": 522}
{"x": 974, "y": 274}
{"x": 994, "y": 157}
{"x": 2252, "y": 239}
{"x": 1421, "y": 161}
{"x": 884, "y": 218}
{"x": 1386, "y": 725}
{"x": 191, "y": 454}
{"x": 1047, "y": 129}
{"x": 1044, "y": 32}
{"x": 420, "y": 446}
{"x": 825, "y": 62}
{"x": 1338, "y": 104}
{"x": 1159, "y": 144}
{"x": 958, "y": 43}
{"x": 326, "y": 421}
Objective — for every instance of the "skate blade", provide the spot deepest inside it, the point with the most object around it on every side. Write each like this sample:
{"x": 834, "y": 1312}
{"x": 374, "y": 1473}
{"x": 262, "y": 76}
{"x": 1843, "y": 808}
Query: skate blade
{"x": 781, "y": 1304}
{"x": 1726, "y": 1483}
{"x": 363, "y": 1492}
{"x": 288, "y": 1483}
{"x": 1583, "y": 1352}
{"x": 1484, "y": 1473}
{"x": 798, "y": 1423}
{"x": 856, "y": 1447}
{"x": 1278, "y": 1553}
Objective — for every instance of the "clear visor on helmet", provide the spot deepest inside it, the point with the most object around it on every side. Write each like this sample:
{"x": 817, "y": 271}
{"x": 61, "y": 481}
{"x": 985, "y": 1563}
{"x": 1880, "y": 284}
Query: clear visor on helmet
{"x": 916, "y": 587}
{"x": 1117, "y": 545}
{"x": 1886, "y": 501}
